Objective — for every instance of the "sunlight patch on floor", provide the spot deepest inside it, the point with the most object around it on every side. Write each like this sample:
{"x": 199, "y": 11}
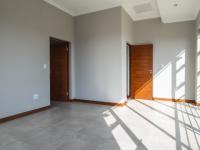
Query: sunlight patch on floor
{"x": 122, "y": 138}
{"x": 149, "y": 124}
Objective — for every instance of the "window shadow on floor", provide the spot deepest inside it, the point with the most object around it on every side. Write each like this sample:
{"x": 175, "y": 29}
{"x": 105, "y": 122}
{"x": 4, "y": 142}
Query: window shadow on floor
{"x": 186, "y": 116}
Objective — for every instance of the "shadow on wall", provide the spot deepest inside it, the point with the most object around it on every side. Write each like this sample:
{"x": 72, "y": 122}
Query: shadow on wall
{"x": 170, "y": 80}
{"x": 173, "y": 77}
{"x": 198, "y": 69}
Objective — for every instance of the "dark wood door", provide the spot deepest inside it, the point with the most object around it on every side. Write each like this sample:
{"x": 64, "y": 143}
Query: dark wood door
{"x": 141, "y": 70}
{"x": 59, "y": 85}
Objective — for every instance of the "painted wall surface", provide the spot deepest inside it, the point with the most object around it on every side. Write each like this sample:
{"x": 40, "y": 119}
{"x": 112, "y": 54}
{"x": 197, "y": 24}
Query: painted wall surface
{"x": 197, "y": 46}
{"x": 127, "y": 37}
{"x": 174, "y": 56}
{"x": 98, "y": 62}
{"x": 25, "y": 27}
{"x": 98, "y": 56}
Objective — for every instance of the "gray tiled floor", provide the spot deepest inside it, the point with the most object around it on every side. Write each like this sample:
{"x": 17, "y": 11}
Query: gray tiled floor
{"x": 141, "y": 125}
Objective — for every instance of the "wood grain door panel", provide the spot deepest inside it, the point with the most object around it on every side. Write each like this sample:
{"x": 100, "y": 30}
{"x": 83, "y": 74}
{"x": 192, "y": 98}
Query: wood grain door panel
{"x": 59, "y": 72}
{"x": 141, "y": 70}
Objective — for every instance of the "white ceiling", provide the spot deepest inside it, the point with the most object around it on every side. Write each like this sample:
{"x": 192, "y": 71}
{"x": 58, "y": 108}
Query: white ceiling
{"x": 186, "y": 10}
{"x": 137, "y": 9}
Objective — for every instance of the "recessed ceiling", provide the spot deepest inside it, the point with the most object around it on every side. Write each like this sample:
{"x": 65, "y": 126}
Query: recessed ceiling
{"x": 178, "y": 10}
{"x": 168, "y": 10}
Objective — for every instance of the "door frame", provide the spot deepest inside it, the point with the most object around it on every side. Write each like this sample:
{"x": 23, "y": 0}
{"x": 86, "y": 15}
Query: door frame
{"x": 128, "y": 70}
{"x": 130, "y": 62}
{"x": 68, "y": 66}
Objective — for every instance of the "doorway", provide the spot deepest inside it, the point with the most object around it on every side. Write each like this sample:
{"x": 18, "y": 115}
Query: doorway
{"x": 141, "y": 72}
{"x": 128, "y": 50}
{"x": 59, "y": 70}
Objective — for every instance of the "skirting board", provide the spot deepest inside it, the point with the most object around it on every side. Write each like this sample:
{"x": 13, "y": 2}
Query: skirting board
{"x": 6, "y": 119}
{"x": 176, "y": 100}
{"x": 98, "y": 102}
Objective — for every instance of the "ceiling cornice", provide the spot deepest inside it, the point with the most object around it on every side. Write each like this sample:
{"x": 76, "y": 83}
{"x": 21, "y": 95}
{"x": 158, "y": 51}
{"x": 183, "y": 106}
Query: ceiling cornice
{"x": 60, "y": 7}
{"x": 98, "y": 9}
{"x": 159, "y": 10}
{"x": 53, "y": 3}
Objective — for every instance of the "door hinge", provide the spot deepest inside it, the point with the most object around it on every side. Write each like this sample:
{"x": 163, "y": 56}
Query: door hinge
{"x": 67, "y": 93}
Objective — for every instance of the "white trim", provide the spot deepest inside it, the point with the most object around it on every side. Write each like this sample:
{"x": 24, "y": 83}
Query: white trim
{"x": 124, "y": 5}
{"x": 98, "y": 9}
{"x": 53, "y": 3}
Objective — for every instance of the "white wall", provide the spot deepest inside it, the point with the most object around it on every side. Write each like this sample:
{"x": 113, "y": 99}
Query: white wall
{"x": 197, "y": 46}
{"x": 174, "y": 56}
{"x": 98, "y": 56}
{"x": 101, "y": 72}
{"x": 127, "y": 37}
{"x": 25, "y": 27}
{"x": 98, "y": 64}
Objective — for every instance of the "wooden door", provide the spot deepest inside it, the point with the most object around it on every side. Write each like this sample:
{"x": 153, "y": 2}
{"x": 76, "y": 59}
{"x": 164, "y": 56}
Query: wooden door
{"x": 141, "y": 72}
{"x": 59, "y": 83}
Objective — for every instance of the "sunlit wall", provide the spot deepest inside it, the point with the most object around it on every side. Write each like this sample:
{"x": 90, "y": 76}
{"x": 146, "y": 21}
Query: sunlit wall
{"x": 198, "y": 68}
{"x": 197, "y": 77}
{"x": 174, "y": 57}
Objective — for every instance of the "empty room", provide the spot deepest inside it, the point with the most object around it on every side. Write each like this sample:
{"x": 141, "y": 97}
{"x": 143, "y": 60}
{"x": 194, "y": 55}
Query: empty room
{"x": 99, "y": 74}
